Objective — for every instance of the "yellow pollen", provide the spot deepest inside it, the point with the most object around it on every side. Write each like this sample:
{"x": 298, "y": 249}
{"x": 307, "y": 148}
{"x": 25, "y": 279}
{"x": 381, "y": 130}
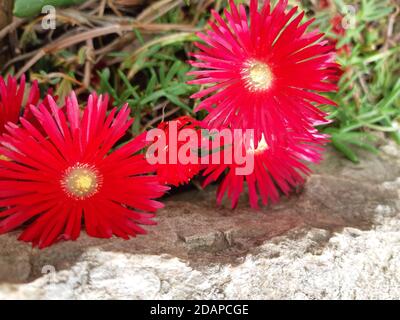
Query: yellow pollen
{"x": 257, "y": 75}
{"x": 5, "y": 158}
{"x": 81, "y": 181}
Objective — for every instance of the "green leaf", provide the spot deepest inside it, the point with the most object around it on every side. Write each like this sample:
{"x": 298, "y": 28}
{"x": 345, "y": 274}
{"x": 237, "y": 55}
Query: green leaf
{"x": 131, "y": 90}
{"x": 30, "y": 8}
{"x": 105, "y": 86}
{"x": 172, "y": 71}
{"x": 338, "y": 144}
{"x": 175, "y": 100}
{"x": 151, "y": 84}
{"x": 153, "y": 97}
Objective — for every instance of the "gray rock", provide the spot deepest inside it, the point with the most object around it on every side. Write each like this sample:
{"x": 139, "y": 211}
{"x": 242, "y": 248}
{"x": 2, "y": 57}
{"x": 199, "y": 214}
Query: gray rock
{"x": 338, "y": 238}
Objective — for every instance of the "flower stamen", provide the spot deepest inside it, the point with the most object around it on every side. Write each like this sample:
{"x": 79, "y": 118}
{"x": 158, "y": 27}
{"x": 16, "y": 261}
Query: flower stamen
{"x": 257, "y": 75}
{"x": 81, "y": 181}
{"x": 4, "y": 158}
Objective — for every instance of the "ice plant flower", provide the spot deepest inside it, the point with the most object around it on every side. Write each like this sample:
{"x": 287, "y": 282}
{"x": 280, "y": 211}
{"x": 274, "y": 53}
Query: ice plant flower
{"x": 176, "y": 171}
{"x": 264, "y": 71}
{"x": 277, "y": 169}
{"x": 71, "y": 175}
{"x": 12, "y": 97}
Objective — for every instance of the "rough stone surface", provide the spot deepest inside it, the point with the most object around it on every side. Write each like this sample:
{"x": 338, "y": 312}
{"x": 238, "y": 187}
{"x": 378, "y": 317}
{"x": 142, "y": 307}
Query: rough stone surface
{"x": 337, "y": 238}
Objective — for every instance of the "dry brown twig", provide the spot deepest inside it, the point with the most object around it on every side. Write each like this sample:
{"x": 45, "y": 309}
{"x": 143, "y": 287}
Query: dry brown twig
{"x": 56, "y": 75}
{"x": 102, "y": 8}
{"x": 84, "y": 36}
{"x": 110, "y": 3}
{"x": 391, "y": 23}
{"x": 128, "y": 3}
{"x": 66, "y": 42}
{"x": 124, "y": 29}
{"x": 157, "y": 10}
{"x": 17, "y": 22}
{"x": 90, "y": 58}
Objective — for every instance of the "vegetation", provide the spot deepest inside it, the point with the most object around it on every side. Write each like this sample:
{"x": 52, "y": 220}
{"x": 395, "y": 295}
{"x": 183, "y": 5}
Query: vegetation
{"x": 137, "y": 52}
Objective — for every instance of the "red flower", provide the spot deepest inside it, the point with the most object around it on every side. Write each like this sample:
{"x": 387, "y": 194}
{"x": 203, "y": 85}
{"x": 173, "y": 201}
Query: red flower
{"x": 11, "y": 99}
{"x": 174, "y": 172}
{"x": 277, "y": 169}
{"x": 339, "y": 31}
{"x": 324, "y": 4}
{"x": 73, "y": 176}
{"x": 264, "y": 71}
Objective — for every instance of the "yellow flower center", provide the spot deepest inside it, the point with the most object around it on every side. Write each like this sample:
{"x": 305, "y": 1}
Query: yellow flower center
{"x": 81, "y": 181}
{"x": 257, "y": 75}
{"x": 5, "y": 158}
